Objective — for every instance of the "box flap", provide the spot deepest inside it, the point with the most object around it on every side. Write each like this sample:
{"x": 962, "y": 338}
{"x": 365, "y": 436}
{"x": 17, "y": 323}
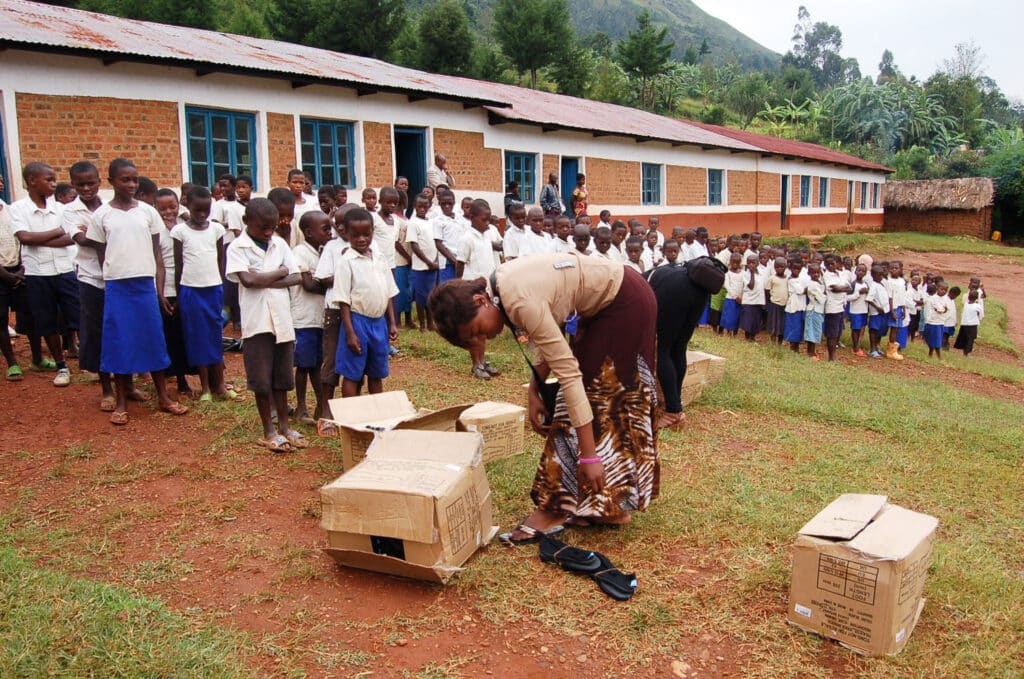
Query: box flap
{"x": 461, "y": 449}
{"x": 446, "y": 419}
{"x": 845, "y": 517}
{"x": 379, "y": 410}
{"x": 895, "y": 533}
{"x": 487, "y": 409}
{"x": 438, "y": 573}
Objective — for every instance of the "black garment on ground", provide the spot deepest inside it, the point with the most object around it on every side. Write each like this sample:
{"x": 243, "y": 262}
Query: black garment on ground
{"x": 680, "y": 305}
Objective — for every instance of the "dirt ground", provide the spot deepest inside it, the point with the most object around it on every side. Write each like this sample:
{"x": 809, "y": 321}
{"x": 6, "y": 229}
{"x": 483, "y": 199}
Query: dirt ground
{"x": 184, "y": 509}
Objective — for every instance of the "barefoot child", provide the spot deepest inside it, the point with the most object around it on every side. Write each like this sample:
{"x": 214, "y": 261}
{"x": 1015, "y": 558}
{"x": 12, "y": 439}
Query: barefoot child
{"x": 752, "y": 298}
{"x": 364, "y": 289}
{"x": 307, "y": 304}
{"x": 198, "y": 261}
{"x": 167, "y": 207}
{"x": 734, "y": 280}
{"x": 263, "y": 266}
{"x": 422, "y": 241}
{"x": 126, "y": 236}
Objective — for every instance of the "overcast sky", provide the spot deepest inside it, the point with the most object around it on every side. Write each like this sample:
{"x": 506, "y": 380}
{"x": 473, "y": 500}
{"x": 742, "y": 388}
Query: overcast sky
{"x": 920, "y": 33}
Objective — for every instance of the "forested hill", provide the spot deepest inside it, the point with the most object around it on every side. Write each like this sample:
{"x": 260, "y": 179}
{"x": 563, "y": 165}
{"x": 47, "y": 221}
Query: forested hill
{"x": 689, "y": 26}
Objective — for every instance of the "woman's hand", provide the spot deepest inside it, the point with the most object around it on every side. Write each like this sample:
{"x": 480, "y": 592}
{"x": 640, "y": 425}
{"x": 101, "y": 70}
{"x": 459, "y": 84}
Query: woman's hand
{"x": 538, "y": 412}
{"x": 591, "y": 476}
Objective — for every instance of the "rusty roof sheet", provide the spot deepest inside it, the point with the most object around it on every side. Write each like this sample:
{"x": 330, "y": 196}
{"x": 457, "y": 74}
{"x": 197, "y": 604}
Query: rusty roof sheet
{"x": 32, "y": 25}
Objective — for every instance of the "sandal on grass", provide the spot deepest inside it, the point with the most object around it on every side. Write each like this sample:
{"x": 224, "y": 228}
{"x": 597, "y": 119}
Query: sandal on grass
{"x": 108, "y": 403}
{"x": 14, "y": 374}
{"x": 276, "y": 444}
{"x": 533, "y": 535}
{"x": 572, "y": 559}
{"x": 119, "y": 418}
{"x": 613, "y": 582}
{"x": 296, "y": 439}
{"x": 174, "y": 408}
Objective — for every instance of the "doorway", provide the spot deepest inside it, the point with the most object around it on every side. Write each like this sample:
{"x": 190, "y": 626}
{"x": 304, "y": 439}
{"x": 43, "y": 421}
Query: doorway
{"x": 411, "y": 158}
{"x": 849, "y": 202}
{"x": 5, "y": 195}
{"x": 784, "y": 206}
{"x": 570, "y": 168}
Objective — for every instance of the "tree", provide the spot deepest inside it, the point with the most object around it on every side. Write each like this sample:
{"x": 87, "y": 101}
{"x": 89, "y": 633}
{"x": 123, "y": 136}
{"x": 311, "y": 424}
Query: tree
{"x": 704, "y": 48}
{"x": 887, "y": 69}
{"x": 248, "y": 18}
{"x": 816, "y": 48}
{"x": 967, "y": 62}
{"x": 747, "y": 95}
{"x": 532, "y": 33}
{"x": 644, "y": 54}
{"x": 609, "y": 82}
{"x": 600, "y": 43}
{"x": 445, "y": 41}
{"x": 962, "y": 100}
{"x": 365, "y": 27}
{"x": 690, "y": 57}
{"x": 490, "y": 64}
{"x": 191, "y": 13}
{"x": 296, "y": 21}
{"x": 793, "y": 83}
{"x": 572, "y": 72}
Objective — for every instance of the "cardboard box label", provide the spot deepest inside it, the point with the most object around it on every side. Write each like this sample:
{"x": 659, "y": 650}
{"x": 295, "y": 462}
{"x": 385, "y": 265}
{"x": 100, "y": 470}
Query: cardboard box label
{"x": 847, "y": 578}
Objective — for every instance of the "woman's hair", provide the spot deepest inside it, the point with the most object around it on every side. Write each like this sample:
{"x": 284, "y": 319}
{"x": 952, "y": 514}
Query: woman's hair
{"x": 580, "y": 177}
{"x": 451, "y": 305}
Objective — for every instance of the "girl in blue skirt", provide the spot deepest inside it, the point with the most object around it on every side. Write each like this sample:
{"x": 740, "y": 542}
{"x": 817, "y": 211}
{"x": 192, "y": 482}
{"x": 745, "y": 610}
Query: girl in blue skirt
{"x": 733, "y": 295}
{"x": 126, "y": 235}
{"x": 198, "y": 261}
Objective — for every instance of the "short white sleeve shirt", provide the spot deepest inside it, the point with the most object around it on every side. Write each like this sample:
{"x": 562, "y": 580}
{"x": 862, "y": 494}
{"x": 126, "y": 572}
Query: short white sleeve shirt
{"x": 40, "y": 260}
{"x": 421, "y": 232}
{"x": 199, "y": 247}
{"x": 477, "y": 254}
{"x": 307, "y": 307}
{"x": 364, "y": 282}
{"x": 77, "y": 218}
{"x": 128, "y": 235}
{"x": 263, "y": 310}
{"x": 384, "y": 238}
{"x": 325, "y": 266}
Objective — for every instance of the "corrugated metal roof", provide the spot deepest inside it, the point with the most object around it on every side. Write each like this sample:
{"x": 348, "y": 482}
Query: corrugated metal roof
{"x": 31, "y": 25}
{"x": 797, "y": 149}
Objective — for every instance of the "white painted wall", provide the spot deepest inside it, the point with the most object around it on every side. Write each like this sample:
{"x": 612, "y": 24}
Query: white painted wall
{"x": 32, "y": 72}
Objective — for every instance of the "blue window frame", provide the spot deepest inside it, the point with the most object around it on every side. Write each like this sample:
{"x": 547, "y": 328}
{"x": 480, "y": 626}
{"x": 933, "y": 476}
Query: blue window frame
{"x": 521, "y": 167}
{"x": 875, "y": 194}
{"x": 822, "y": 191}
{"x": 805, "y": 190}
{"x": 651, "y": 188}
{"x": 715, "y": 187}
{"x": 328, "y": 152}
{"x": 863, "y": 195}
{"x": 220, "y": 142}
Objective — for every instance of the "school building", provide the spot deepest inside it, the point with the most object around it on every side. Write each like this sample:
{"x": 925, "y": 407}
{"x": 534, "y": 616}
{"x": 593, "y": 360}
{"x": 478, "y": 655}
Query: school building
{"x": 189, "y": 104}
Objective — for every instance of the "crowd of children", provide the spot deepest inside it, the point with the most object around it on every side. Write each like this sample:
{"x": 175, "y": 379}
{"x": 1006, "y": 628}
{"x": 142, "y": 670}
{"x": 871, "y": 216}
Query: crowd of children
{"x": 316, "y": 286}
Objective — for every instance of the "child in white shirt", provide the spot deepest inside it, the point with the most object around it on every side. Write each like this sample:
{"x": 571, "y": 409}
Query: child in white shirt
{"x": 422, "y": 241}
{"x": 970, "y": 318}
{"x": 307, "y": 305}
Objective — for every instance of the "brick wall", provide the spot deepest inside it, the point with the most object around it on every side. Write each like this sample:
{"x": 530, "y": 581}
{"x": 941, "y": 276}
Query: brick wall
{"x": 281, "y": 147}
{"x": 742, "y": 187}
{"x": 551, "y": 163}
{"x": 794, "y": 182}
{"x": 686, "y": 185}
{"x": 62, "y": 130}
{"x": 613, "y": 182}
{"x": 838, "y": 188}
{"x": 976, "y": 223}
{"x": 769, "y": 188}
{"x": 378, "y": 153}
{"x": 475, "y": 168}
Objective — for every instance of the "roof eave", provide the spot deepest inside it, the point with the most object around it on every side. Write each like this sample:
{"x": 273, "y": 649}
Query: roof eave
{"x": 203, "y": 68}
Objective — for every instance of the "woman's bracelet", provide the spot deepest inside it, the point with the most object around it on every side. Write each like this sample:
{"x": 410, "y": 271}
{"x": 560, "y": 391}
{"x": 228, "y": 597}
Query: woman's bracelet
{"x": 590, "y": 460}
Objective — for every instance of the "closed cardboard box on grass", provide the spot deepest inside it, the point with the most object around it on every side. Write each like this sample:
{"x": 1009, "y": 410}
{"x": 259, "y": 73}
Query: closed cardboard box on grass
{"x": 417, "y": 506}
{"x": 859, "y": 570}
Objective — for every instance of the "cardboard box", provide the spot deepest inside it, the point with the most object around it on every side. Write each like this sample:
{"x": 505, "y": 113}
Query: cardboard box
{"x": 417, "y": 506}
{"x": 356, "y": 420}
{"x": 712, "y": 367}
{"x": 501, "y": 424}
{"x": 859, "y": 570}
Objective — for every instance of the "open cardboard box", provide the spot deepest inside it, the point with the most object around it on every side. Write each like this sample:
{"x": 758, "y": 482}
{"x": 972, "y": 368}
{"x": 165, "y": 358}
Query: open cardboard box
{"x": 859, "y": 570}
{"x": 501, "y": 424}
{"x": 417, "y": 506}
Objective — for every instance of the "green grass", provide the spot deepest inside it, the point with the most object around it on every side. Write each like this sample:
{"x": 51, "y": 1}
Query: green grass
{"x": 53, "y": 625}
{"x": 919, "y": 242}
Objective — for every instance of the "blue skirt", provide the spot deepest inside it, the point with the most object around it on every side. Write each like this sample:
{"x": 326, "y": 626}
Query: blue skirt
{"x": 858, "y": 321}
{"x": 813, "y": 322}
{"x": 878, "y": 322}
{"x": 933, "y": 335}
{"x": 730, "y": 315}
{"x": 794, "y": 328}
{"x": 403, "y": 304}
{"x": 422, "y": 283}
{"x": 202, "y": 324}
{"x": 446, "y": 273}
{"x": 704, "y": 316}
{"x": 902, "y": 335}
{"x": 133, "y": 331}
{"x": 750, "y": 318}
{"x": 898, "y": 321}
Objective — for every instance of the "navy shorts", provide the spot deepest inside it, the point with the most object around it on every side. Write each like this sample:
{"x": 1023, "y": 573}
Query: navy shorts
{"x": 422, "y": 283}
{"x": 309, "y": 348}
{"x": 52, "y": 298}
{"x": 373, "y": 360}
{"x": 834, "y": 325}
{"x": 858, "y": 321}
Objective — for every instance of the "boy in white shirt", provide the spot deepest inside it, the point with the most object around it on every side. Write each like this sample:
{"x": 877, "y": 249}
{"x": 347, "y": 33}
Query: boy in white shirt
{"x": 13, "y": 295}
{"x": 263, "y": 265}
{"x": 304, "y": 202}
{"x": 307, "y": 305}
{"x": 449, "y": 234}
{"x": 535, "y": 241}
{"x": 364, "y": 289}
{"x": 896, "y": 286}
{"x": 515, "y": 231}
{"x": 858, "y": 307}
{"x": 324, "y": 276}
{"x": 634, "y": 254}
{"x": 878, "y": 310}
{"x": 563, "y": 229}
{"x": 37, "y": 223}
{"x": 475, "y": 260}
{"x": 836, "y": 290}
{"x": 970, "y": 318}
{"x": 422, "y": 241}
{"x": 796, "y": 306}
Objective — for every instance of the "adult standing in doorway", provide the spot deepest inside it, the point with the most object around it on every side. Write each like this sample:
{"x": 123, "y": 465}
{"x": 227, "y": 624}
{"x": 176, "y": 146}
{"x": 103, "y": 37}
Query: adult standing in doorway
{"x": 512, "y": 196}
{"x": 600, "y": 460}
{"x": 579, "y": 196}
{"x": 550, "y": 201}
{"x": 439, "y": 174}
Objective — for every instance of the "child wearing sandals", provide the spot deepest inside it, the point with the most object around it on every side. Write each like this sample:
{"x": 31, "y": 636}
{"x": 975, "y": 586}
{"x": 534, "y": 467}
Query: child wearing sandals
{"x": 126, "y": 235}
{"x": 264, "y": 267}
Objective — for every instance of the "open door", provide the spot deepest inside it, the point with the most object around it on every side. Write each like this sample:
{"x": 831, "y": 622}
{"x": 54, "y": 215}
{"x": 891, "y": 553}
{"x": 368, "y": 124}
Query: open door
{"x": 849, "y": 202}
{"x": 784, "y": 204}
{"x": 411, "y": 159}
{"x": 570, "y": 168}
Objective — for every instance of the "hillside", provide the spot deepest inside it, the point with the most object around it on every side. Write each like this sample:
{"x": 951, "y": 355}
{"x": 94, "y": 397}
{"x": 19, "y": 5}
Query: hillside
{"x": 688, "y": 25}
